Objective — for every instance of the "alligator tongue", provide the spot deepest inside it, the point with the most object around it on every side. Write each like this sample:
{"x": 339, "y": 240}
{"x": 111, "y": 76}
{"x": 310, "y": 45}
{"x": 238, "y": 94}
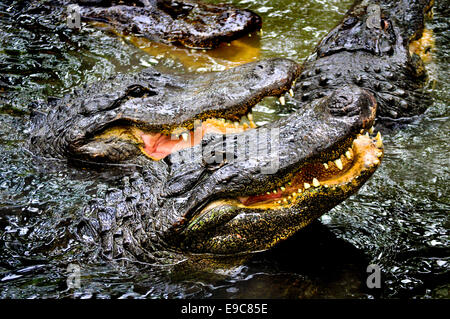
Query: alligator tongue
{"x": 158, "y": 145}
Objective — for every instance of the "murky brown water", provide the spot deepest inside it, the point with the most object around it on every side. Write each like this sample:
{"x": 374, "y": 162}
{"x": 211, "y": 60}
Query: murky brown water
{"x": 399, "y": 219}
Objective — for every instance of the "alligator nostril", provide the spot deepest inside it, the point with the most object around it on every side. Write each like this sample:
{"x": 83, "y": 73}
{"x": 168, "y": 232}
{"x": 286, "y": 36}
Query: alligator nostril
{"x": 342, "y": 104}
{"x": 344, "y": 100}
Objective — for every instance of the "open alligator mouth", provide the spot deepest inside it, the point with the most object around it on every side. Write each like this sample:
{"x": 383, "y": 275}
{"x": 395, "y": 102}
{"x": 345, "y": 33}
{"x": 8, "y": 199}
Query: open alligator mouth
{"x": 365, "y": 153}
{"x": 326, "y": 153}
{"x": 257, "y": 222}
{"x": 158, "y": 145}
{"x": 158, "y": 124}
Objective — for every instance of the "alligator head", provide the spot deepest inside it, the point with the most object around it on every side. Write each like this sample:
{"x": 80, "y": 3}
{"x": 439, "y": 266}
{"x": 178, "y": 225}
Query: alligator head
{"x": 189, "y": 23}
{"x": 373, "y": 49}
{"x": 218, "y": 185}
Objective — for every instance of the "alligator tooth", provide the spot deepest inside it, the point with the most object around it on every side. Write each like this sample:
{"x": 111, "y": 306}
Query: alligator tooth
{"x": 249, "y": 35}
{"x": 279, "y": 202}
{"x": 268, "y": 193}
{"x": 282, "y": 188}
{"x": 229, "y": 44}
{"x": 294, "y": 194}
{"x": 284, "y": 200}
{"x": 289, "y": 197}
{"x": 371, "y": 130}
{"x": 367, "y": 134}
{"x": 236, "y": 124}
{"x": 274, "y": 191}
{"x": 282, "y": 100}
{"x": 348, "y": 154}
{"x": 299, "y": 190}
{"x": 289, "y": 183}
{"x": 362, "y": 131}
{"x": 185, "y": 135}
{"x": 338, "y": 163}
{"x": 261, "y": 32}
{"x": 379, "y": 142}
{"x": 291, "y": 92}
{"x": 315, "y": 182}
{"x": 307, "y": 185}
{"x": 378, "y": 153}
{"x": 250, "y": 116}
{"x": 325, "y": 165}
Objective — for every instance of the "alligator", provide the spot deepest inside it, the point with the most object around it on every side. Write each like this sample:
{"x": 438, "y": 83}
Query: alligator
{"x": 205, "y": 180}
{"x": 374, "y": 47}
{"x": 189, "y": 23}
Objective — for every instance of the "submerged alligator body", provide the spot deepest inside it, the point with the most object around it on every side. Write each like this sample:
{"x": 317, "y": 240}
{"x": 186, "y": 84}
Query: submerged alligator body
{"x": 189, "y": 22}
{"x": 370, "y": 48}
{"x": 206, "y": 179}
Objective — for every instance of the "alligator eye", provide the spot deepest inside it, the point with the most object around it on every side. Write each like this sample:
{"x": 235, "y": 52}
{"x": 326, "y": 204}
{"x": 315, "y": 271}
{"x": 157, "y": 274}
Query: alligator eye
{"x": 349, "y": 22}
{"x": 175, "y": 9}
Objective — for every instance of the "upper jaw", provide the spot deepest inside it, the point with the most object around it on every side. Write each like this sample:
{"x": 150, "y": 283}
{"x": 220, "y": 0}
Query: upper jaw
{"x": 165, "y": 103}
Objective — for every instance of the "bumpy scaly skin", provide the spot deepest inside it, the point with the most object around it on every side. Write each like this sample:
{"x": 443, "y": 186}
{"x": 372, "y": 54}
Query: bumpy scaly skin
{"x": 188, "y": 22}
{"x": 166, "y": 205}
{"x": 159, "y": 206}
{"x": 370, "y": 49}
{"x": 156, "y": 102}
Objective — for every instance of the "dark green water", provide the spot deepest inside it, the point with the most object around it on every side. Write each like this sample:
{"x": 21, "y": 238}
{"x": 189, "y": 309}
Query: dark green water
{"x": 399, "y": 219}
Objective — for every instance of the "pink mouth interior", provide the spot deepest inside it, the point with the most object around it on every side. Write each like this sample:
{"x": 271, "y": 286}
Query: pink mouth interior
{"x": 259, "y": 198}
{"x": 158, "y": 145}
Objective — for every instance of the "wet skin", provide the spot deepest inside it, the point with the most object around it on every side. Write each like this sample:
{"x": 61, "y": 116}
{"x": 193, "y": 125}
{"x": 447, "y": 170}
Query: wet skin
{"x": 188, "y": 23}
{"x": 374, "y": 47}
{"x": 230, "y": 206}
{"x": 206, "y": 205}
